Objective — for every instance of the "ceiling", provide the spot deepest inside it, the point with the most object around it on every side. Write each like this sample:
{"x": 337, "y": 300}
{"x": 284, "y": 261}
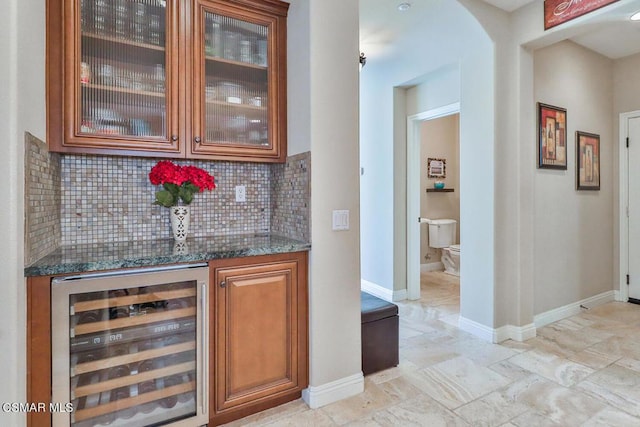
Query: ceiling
{"x": 509, "y": 5}
{"x": 381, "y": 24}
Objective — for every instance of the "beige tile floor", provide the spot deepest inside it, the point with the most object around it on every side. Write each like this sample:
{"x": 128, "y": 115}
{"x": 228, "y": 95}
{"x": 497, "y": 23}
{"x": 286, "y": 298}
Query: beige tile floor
{"x": 580, "y": 371}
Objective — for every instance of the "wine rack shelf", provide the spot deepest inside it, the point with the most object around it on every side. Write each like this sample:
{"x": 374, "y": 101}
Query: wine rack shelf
{"x": 129, "y": 300}
{"x": 132, "y": 348}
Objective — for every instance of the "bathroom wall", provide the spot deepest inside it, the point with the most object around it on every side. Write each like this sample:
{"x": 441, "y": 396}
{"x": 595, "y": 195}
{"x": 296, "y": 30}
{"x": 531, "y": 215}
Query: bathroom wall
{"x": 439, "y": 139}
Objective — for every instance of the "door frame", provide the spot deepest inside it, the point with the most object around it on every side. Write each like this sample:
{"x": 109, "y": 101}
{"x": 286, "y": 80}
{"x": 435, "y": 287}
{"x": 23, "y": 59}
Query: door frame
{"x": 623, "y": 215}
{"x": 413, "y": 192}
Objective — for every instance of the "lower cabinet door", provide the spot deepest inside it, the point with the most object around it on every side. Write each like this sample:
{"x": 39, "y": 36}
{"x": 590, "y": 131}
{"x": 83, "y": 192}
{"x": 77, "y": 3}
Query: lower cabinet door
{"x": 260, "y": 340}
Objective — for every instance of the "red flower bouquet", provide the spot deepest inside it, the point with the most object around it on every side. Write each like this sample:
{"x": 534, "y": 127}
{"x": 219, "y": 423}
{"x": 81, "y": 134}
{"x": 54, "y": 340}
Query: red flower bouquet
{"x": 179, "y": 182}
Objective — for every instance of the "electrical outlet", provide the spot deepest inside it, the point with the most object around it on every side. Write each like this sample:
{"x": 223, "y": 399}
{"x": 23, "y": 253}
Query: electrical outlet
{"x": 241, "y": 193}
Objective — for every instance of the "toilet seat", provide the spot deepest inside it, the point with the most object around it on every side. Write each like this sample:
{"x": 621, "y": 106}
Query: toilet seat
{"x": 455, "y": 248}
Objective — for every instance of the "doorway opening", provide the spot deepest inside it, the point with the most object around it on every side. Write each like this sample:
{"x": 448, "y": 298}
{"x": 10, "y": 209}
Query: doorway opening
{"x": 629, "y": 221}
{"x": 414, "y": 183}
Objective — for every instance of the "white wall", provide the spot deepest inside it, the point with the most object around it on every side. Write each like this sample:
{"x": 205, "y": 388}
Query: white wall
{"x": 298, "y": 78}
{"x": 626, "y": 98}
{"x": 574, "y": 229}
{"x": 447, "y": 35}
{"x": 330, "y": 125}
{"x": 21, "y": 109}
{"x": 626, "y": 85}
{"x": 516, "y": 180}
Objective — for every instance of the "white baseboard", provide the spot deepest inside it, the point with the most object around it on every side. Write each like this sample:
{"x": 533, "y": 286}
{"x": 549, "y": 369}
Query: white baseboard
{"x": 503, "y": 333}
{"x": 516, "y": 333}
{"x": 382, "y": 292}
{"x": 432, "y": 266}
{"x": 523, "y": 333}
{"x": 572, "y": 309}
{"x": 618, "y": 296}
{"x": 319, "y": 396}
{"x": 478, "y": 329}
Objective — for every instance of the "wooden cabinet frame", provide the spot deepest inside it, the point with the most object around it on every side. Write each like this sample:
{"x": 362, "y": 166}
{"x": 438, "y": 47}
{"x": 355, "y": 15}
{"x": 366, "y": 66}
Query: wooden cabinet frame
{"x": 273, "y": 382}
{"x": 184, "y": 76}
{"x": 39, "y": 369}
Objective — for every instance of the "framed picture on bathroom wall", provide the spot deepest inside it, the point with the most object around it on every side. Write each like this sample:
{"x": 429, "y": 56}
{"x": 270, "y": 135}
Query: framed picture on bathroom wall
{"x": 587, "y": 161}
{"x": 552, "y": 137}
{"x": 436, "y": 168}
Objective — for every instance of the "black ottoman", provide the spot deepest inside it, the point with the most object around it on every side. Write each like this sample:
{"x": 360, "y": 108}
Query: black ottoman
{"x": 379, "y": 333}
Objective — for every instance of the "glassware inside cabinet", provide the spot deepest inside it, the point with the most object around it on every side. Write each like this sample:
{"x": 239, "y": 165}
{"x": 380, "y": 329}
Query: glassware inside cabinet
{"x": 123, "y": 68}
{"x": 236, "y": 81}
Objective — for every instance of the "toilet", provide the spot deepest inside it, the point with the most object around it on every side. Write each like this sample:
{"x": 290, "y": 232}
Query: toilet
{"x": 442, "y": 235}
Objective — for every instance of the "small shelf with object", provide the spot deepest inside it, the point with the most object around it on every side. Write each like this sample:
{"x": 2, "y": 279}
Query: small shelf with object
{"x": 439, "y": 190}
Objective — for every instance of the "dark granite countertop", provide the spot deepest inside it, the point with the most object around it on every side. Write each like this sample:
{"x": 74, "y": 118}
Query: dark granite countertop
{"x": 147, "y": 253}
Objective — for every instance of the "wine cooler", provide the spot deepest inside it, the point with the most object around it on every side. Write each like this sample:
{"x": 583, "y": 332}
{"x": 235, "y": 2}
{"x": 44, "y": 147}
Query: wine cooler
{"x": 131, "y": 349}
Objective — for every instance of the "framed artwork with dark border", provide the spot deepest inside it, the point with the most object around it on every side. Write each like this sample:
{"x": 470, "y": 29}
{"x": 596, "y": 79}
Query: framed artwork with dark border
{"x": 552, "y": 137}
{"x": 587, "y": 161}
{"x": 436, "y": 168}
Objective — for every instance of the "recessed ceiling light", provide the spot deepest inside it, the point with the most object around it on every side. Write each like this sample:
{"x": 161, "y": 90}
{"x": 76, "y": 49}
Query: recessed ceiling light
{"x": 635, "y": 16}
{"x": 403, "y": 7}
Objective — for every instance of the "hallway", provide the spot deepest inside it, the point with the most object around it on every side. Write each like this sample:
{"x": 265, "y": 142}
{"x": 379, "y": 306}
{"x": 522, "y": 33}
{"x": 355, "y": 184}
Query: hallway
{"x": 580, "y": 371}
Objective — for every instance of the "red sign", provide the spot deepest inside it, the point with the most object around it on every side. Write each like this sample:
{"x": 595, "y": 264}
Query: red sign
{"x": 557, "y": 12}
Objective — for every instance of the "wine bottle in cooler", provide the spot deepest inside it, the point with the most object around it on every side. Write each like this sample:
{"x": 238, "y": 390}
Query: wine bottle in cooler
{"x": 167, "y": 382}
{"x": 88, "y": 317}
{"x": 147, "y": 386}
{"x": 121, "y": 393}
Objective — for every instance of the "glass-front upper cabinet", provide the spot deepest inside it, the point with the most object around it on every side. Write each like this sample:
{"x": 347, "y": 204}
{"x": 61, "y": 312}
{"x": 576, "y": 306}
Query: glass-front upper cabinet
{"x": 168, "y": 78}
{"x": 120, "y": 86}
{"x": 239, "y": 101}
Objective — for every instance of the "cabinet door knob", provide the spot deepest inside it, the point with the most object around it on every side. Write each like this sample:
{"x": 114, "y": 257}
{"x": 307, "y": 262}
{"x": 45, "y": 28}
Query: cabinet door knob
{"x": 174, "y": 138}
{"x": 223, "y": 284}
{"x": 197, "y": 139}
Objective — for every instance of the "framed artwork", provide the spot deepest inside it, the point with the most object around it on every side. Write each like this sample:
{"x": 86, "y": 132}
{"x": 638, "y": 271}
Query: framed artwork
{"x": 552, "y": 137}
{"x": 587, "y": 161}
{"x": 436, "y": 168}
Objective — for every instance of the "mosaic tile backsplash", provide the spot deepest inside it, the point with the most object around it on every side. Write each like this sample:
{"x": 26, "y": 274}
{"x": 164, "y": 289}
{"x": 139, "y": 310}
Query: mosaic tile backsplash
{"x": 290, "y": 197}
{"x": 111, "y": 199}
{"x": 42, "y": 199}
{"x": 80, "y": 199}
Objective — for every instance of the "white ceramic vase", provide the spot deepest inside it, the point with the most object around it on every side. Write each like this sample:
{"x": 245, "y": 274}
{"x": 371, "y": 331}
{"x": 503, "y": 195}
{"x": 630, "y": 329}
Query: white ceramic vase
{"x": 180, "y": 218}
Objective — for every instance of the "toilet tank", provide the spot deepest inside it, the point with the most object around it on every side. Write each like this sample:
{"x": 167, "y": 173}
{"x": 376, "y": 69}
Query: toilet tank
{"x": 442, "y": 233}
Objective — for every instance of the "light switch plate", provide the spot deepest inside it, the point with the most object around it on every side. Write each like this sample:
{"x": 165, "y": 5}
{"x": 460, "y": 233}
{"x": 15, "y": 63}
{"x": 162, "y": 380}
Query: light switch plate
{"x": 340, "y": 220}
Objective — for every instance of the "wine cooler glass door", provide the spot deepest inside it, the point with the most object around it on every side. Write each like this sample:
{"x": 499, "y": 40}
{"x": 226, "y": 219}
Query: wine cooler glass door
{"x": 128, "y": 349}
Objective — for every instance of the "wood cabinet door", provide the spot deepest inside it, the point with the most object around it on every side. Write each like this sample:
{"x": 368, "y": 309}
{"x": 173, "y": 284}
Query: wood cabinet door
{"x": 258, "y": 334}
{"x": 238, "y": 91}
{"x": 113, "y": 67}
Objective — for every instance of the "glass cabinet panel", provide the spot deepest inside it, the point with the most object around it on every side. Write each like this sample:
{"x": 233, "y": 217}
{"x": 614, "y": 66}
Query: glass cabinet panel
{"x": 122, "y": 83}
{"x": 128, "y": 349}
{"x": 236, "y": 96}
